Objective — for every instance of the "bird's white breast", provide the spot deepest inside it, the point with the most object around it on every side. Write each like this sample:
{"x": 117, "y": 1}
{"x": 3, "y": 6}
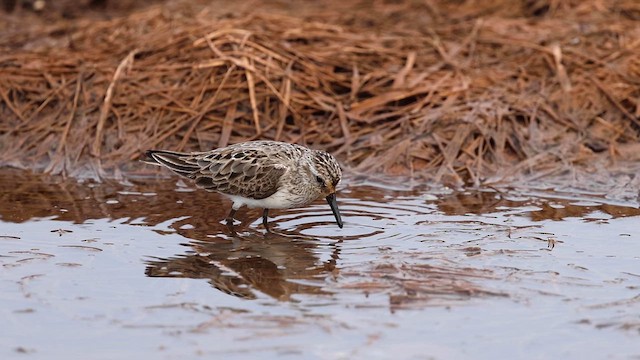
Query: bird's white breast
{"x": 281, "y": 199}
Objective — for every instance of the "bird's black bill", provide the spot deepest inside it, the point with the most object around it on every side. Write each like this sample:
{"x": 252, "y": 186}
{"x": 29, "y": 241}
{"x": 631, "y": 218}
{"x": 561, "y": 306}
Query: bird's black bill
{"x": 331, "y": 199}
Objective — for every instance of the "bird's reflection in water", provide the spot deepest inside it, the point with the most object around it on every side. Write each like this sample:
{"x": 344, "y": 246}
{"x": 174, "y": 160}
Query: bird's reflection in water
{"x": 277, "y": 264}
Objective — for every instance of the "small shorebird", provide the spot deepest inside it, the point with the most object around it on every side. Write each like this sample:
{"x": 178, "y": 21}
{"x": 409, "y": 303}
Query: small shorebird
{"x": 259, "y": 174}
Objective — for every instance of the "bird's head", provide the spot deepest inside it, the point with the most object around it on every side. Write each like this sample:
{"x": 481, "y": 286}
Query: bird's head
{"x": 327, "y": 174}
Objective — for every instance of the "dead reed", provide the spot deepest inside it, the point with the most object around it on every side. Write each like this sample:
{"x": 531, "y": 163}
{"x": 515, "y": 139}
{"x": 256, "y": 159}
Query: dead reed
{"x": 453, "y": 92}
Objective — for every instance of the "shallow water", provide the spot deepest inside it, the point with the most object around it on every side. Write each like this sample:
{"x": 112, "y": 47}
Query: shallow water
{"x": 111, "y": 271}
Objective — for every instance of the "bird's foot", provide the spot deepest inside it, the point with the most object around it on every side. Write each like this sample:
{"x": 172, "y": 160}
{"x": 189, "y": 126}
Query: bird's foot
{"x": 230, "y": 226}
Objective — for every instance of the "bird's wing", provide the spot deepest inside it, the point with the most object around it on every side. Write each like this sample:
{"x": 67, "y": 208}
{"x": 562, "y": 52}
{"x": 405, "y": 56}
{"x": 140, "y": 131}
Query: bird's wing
{"x": 180, "y": 163}
{"x": 248, "y": 172}
{"x": 236, "y": 170}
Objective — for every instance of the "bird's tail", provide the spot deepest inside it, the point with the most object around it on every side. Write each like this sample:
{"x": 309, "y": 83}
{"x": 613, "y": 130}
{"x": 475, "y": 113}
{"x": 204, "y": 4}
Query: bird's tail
{"x": 175, "y": 161}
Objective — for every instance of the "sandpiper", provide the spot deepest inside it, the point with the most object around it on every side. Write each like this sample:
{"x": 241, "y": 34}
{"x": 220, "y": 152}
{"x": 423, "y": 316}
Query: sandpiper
{"x": 259, "y": 174}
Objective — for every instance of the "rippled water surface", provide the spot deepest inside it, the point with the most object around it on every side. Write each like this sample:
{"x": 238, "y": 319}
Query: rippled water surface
{"x": 112, "y": 272}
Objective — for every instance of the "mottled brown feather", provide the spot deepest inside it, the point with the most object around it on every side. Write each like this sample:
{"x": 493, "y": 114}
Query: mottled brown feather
{"x": 241, "y": 177}
{"x": 247, "y": 169}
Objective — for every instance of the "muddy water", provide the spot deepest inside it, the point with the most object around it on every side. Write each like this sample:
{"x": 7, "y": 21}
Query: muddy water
{"x": 112, "y": 271}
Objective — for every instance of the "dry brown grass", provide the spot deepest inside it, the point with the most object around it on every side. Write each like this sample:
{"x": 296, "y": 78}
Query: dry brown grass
{"x": 451, "y": 91}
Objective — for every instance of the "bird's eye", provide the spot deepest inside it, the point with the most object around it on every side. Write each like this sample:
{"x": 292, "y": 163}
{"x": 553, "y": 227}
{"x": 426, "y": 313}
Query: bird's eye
{"x": 319, "y": 180}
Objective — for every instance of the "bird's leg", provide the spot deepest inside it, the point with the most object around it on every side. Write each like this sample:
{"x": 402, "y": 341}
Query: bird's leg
{"x": 265, "y": 219}
{"x": 230, "y": 219}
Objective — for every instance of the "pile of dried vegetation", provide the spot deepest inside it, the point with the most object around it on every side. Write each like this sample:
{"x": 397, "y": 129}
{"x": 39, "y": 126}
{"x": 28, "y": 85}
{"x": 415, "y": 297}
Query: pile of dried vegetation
{"x": 453, "y": 91}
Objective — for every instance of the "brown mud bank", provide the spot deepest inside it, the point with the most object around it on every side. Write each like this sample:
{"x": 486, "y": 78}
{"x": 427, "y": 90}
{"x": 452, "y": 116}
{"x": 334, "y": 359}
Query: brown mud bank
{"x": 460, "y": 92}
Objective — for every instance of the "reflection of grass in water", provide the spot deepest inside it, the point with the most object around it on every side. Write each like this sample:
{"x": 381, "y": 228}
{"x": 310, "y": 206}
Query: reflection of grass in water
{"x": 623, "y": 321}
{"x": 149, "y": 202}
{"x": 419, "y": 285}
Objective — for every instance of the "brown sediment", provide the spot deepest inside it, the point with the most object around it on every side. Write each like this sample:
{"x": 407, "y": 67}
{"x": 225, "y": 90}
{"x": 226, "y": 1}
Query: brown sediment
{"x": 449, "y": 91}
